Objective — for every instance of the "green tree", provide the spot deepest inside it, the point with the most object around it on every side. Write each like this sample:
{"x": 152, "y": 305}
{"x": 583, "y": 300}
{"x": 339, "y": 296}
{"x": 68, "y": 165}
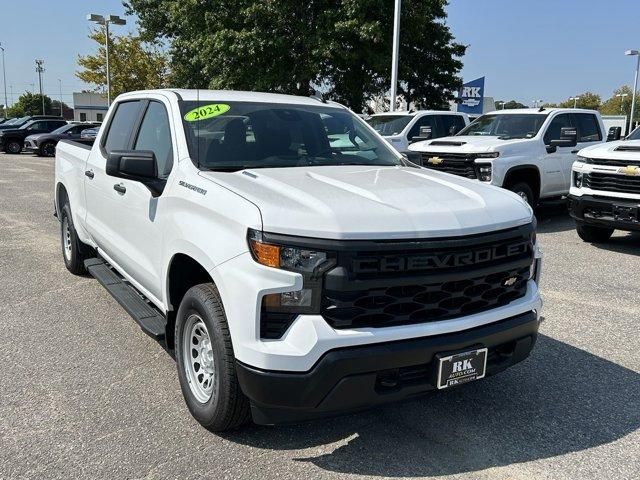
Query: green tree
{"x": 340, "y": 47}
{"x": 30, "y": 104}
{"x": 133, "y": 64}
{"x": 618, "y": 104}
{"x": 511, "y": 104}
{"x": 587, "y": 100}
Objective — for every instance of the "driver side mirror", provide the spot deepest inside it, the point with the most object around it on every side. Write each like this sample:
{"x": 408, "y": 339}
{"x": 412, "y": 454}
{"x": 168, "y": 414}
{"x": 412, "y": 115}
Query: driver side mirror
{"x": 425, "y": 134}
{"x": 568, "y": 138}
{"x": 614, "y": 134}
{"x": 137, "y": 165}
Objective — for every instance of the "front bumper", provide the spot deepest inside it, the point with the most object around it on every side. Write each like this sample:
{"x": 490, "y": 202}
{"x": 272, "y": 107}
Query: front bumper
{"x": 355, "y": 378}
{"x": 599, "y": 211}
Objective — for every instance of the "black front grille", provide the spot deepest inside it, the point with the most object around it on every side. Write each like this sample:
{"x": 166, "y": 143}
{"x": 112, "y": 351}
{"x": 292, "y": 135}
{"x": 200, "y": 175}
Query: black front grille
{"x": 425, "y": 281}
{"x": 381, "y": 307}
{"x": 612, "y": 162}
{"x": 609, "y": 182}
{"x": 456, "y": 164}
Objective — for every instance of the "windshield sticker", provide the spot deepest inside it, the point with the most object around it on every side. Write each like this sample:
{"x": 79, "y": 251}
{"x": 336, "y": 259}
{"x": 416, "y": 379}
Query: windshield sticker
{"x": 206, "y": 111}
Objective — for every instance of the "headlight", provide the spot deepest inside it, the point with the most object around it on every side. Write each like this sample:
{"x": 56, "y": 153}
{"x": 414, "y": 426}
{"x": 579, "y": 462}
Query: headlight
{"x": 577, "y": 179}
{"x": 310, "y": 263}
{"x": 488, "y": 155}
{"x": 484, "y": 172}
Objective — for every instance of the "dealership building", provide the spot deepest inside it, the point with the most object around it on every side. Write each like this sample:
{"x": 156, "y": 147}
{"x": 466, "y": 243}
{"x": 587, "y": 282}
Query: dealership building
{"x": 89, "y": 107}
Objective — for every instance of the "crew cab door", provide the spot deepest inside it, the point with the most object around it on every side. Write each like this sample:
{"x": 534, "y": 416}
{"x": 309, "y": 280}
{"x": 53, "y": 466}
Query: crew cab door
{"x": 554, "y": 162}
{"x": 124, "y": 216}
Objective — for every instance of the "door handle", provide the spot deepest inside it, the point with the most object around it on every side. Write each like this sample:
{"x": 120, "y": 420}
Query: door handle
{"x": 118, "y": 187}
{"x": 575, "y": 151}
{"x": 89, "y": 173}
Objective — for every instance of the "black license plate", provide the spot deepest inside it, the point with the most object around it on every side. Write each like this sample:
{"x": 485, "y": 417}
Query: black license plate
{"x": 462, "y": 367}
{"x": 625, "y": 213}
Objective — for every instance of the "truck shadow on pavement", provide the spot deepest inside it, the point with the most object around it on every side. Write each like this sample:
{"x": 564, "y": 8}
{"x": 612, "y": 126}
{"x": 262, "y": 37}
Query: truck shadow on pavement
{"x": 561, "y": 400}
{"x": 553, "y": 217}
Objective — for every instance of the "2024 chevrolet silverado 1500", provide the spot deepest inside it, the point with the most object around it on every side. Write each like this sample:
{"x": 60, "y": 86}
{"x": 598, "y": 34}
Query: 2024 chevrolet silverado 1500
{"x": 528, "y": 151}
{"x": 605, "y": 189}
{"x": 291, "y": 277}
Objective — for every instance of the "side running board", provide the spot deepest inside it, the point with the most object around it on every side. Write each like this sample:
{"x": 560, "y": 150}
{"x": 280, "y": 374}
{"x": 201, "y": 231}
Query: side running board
{"x": 150, "y": 319}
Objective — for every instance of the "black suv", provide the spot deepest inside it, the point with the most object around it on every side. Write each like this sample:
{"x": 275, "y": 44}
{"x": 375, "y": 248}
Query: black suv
{"x": 11, "y": 139}
{"x": 44, "y": 144}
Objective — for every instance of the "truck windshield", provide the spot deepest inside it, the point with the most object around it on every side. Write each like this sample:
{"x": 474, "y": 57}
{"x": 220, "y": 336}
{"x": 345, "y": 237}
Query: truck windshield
{"x": 233, "y": 136}
{"x": 389, "y": 124}
{"x": 506, "y": 125}
{"x": 635, "y": 135}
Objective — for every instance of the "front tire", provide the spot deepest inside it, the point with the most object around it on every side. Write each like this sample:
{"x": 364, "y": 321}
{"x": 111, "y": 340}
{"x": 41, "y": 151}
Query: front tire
{"x": 206, "y": 363}
{"x": 592, "y": 234}
{"x": 524, "y": 191}
{"x": 74, "y": 252}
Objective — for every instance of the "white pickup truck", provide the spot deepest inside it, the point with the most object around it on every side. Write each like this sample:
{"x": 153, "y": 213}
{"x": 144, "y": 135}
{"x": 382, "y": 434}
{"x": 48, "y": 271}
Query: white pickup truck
{"x": 293, "y": 278}
{"x": 605, "y": 189}
{"x": 528, "y": 151}
{"x": 401, "y": 129}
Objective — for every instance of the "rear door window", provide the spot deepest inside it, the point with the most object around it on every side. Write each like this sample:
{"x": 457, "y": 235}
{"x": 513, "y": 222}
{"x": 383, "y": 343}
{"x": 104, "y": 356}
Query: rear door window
{"x": 451, "y": 121}
{"x": 121, "y": 126}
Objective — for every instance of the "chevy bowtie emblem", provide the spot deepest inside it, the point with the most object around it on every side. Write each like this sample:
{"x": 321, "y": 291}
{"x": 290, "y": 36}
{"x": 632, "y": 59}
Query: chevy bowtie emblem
{"x": 629, "y": 170}
{"x": 435, "y": 160}
{"x": 510, "y": 281}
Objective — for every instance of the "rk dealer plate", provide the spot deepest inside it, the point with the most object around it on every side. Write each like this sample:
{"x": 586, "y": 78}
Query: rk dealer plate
{"x": 462, "y": 368}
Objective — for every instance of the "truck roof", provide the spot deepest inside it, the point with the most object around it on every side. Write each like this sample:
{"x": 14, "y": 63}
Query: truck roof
{"x": 403, "y": 113}
{"x": 233, "y": 96}
{"x": 537, "y": 110}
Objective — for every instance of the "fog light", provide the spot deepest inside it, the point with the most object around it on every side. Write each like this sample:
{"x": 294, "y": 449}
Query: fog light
{"x": 485, "y": 172}
{"x": 577, "y": 179}
{"x": 282, "y": 301}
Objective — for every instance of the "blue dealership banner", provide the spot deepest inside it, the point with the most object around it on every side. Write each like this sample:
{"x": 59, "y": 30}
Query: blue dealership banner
{"x": 471, "y": 96}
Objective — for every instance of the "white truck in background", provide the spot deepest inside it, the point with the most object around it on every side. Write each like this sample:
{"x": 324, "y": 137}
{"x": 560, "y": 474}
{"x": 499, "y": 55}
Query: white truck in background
{"x": 528, "y": 151}
{"x": 401, "y": 129}
{"x": 605, "y": 189}
{"x": 293, "y": 274}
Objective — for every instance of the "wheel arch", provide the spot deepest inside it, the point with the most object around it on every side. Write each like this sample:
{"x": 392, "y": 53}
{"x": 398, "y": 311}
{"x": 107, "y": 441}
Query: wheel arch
{"x": 184, "y": 271}
{"x": 61, "y": 197}
{"x": 529, "y": 174}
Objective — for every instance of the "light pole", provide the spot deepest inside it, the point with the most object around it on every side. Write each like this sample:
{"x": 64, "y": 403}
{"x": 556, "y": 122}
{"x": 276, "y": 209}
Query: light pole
{"x": 501, "y": 104}
{"x": 60, "y": 85}
{"x": 106, "y": 20}
{"x": 536, "y": 103}
{"x": 4, "y": 79}
{"x": 394, "y": 54}
{"x": 622, "y": 95}
{"x": 40, "y": 69}
{"x": 575, "y": 101}
{"x": 635, "y": 86}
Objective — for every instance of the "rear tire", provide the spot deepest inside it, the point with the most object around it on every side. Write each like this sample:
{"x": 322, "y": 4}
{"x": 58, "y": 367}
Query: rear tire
{"x": 524, "y": 191}
{"x": 592, "y": 234}
{"x": 74, "y": 252}
{"x": 13, "y": 146}
{"x": 206, "y": 363}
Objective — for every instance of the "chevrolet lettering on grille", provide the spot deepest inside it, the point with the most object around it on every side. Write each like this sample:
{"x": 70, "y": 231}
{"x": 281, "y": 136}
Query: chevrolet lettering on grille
{"x": 426, "y": 261}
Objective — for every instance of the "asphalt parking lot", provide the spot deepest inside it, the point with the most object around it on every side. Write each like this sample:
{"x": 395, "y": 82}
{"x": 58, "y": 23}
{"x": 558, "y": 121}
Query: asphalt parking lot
{"x": 85, "y": 394}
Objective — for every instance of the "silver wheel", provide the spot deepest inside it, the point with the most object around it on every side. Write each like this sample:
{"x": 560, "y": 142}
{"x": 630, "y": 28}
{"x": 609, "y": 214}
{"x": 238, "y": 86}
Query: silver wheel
{"x": 66, "y": 238}
{"x": 197, "y": 358}
{"x": 524, "y": 196}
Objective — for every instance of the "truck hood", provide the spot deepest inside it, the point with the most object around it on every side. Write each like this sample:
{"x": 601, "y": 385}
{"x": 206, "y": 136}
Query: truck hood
{"x": 620, "y": 150}
{"x": 468, "y": 144}
{"x": 367, "y": 202}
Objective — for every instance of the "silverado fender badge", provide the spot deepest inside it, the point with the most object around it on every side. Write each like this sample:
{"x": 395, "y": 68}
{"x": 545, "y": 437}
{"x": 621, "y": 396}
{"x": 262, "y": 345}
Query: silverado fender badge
{"x": 630, "y": 170}
{"x": 435, "y": 160}
{"x": 199, "y": 190}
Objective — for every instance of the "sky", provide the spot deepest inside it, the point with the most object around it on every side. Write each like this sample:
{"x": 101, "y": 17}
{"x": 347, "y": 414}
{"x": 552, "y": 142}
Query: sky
{"x": 528, "y": 50}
